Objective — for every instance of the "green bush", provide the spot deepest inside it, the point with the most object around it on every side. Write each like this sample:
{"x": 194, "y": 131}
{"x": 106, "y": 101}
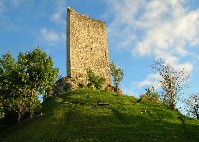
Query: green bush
{"x": 151, "y": 96}
{"x": 94, "y": 80}
{"x": 67, "y": 87}
{"x": 1, "y": 113}
{"x": 1, "y": 109}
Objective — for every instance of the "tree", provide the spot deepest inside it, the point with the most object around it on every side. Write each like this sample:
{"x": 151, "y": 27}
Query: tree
{"x": 192, "y": 106}
{"x": 41, "y": 75}
{"x": 22, "y": 81}
{"x": 2, "y": 113}
{"x": 117, "y": 74}
{"x": 173, "y": 81}
{"x": 13, "y": 90}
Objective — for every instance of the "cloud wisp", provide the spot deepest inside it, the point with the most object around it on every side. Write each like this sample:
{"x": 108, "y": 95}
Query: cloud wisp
{"x": 2, "y": 7}
{"x": 155, "y": 27}
{"x": 51, "y": 36}
{"x": 150, "y": 80}
{"x": 59, "y": 15}
{"x": 165, "y": 29}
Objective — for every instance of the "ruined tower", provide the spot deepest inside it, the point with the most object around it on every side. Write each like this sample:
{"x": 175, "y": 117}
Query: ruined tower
{"x": 87, "y": 47}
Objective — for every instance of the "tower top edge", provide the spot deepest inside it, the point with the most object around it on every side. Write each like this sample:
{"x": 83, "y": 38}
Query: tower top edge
{"x": 69, "y": 9}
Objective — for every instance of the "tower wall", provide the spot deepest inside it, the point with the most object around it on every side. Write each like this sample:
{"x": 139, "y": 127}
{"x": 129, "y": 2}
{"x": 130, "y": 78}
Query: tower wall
{"x": 87, "y": 47}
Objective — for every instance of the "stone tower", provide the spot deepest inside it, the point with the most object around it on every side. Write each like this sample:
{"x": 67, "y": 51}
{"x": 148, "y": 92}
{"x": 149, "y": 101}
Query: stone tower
{"x": 87, "y": 47}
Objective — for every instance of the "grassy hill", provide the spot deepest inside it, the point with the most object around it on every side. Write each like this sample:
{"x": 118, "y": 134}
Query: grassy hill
{"x": 76, "y": 117}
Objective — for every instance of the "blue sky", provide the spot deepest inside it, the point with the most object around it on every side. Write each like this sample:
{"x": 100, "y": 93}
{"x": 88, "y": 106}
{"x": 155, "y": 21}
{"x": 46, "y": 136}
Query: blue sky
{"x": 139, "y": 31}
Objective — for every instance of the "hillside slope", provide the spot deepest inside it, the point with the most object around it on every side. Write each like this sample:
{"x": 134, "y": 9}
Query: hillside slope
{"x": 76, "y": 117}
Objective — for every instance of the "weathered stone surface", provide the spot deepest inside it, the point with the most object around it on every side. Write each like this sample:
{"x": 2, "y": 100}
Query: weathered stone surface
{"x": 111, "y": 88}
{"x": 73, "y": 84}
{"x": 87, "y": 47}
{"x": 65, "y": 84}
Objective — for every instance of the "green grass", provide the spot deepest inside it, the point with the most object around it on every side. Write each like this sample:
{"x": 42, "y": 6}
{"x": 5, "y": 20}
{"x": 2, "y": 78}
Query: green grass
{"x": 76, "y": 117}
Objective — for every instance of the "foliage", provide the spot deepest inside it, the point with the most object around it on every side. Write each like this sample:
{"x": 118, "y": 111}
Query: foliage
{"x": 151, "y": 96}
{"x": 94, "y": 80}
{"x": 13, "y": 90}
{"x": 117, "y": 74}
{"x": 23, "y": 80}
{"x": 2, "y": 113}
{"x": 74, "y": 116}
{"x": 192, "y": 106}
{"x": 40, "y": 74}
{"x": 173, "y": 81}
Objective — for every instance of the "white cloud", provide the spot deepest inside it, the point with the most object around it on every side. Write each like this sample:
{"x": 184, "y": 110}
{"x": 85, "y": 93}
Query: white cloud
{"x": 59, "y": 15}
{"x": 187, "y": 66}
{"x": 161, "y": 29}
{"x": 127, "y": 91}
{"x": 181, "y": 51}
{"x": 51, "y": 36}
{"x": 157, "y": 28}
{"x": 2, "y": 7}
{"x": 153, "y": 79}
{"x": 150, "y": 80}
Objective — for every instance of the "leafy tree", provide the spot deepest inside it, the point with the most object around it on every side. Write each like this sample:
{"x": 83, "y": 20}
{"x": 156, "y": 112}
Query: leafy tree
{"x": 117, "y": 74}
{"x": 12, "y": 91}
{"x": 7, "y": 64}
{"x": 41, "y": 75}
{"x": 95, "y": 80}
{"x": 22, "y": 81}
{"x": 192, "y": 106}
{"x": 2, "y": 113}
{"x": 173, "y": 81}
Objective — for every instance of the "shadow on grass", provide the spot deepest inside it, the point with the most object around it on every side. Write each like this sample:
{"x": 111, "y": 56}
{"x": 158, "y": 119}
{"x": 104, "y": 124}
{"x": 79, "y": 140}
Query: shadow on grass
{"x": 76, "y": 117}
{"x": 134, "y": 128}
{"x": 122, "y": 127}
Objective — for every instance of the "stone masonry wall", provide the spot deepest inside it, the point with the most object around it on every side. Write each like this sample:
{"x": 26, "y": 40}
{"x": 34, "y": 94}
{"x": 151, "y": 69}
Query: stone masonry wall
{"x": 87, "y": 47}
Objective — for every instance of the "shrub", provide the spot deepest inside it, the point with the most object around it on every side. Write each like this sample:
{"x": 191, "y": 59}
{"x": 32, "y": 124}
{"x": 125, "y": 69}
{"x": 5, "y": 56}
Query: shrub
{"x": 94, "y": 80}
{"x": 151, "y": 96}
{"x": 1, "y": 113}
